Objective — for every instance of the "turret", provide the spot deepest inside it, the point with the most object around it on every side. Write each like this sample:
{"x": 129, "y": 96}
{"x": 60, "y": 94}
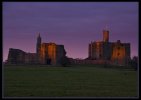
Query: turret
{"x": 38, "y": 45}
{"x": 105, "y": 36}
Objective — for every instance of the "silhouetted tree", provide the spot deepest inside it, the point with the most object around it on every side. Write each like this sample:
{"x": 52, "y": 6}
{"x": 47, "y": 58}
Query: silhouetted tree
{"x": 134, "y": 62}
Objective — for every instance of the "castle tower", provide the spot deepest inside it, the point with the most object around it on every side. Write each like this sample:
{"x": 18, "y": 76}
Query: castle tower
{"x": 38, "y": 45}
{"x": 105, "y": 36}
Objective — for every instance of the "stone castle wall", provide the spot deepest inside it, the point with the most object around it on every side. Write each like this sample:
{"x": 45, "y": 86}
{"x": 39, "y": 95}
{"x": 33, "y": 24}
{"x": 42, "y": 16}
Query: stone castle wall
{"x": 117, "y": 52}
{"x": 52, "y": 52}
{"x": 17, "y": 56}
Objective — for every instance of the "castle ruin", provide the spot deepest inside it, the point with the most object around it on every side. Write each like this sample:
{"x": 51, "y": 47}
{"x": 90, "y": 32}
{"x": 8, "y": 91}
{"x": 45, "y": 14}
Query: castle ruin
{"x": 99, "y": 52}
{"x": 46, "y": 53}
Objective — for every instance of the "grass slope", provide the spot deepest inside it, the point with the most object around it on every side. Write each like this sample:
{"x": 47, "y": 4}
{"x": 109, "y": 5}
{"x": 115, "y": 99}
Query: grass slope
{"x": 42, "y": 81}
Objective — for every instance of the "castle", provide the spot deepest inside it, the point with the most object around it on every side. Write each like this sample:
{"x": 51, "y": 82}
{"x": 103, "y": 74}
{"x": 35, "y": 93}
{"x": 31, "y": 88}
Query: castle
{"x": 99, "y": 52}
{"x": 116, "y": 52}
{"x": 46, "y": 53}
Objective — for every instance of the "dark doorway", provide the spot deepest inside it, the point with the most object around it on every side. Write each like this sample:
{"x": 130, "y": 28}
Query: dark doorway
{"x": 48, "y": 61}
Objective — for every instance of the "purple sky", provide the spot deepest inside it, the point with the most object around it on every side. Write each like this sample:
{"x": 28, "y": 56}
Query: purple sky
{"x": 73, "y": 24}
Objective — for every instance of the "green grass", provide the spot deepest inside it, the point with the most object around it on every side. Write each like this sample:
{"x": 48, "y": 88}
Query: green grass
{"x": 76, "y": 81}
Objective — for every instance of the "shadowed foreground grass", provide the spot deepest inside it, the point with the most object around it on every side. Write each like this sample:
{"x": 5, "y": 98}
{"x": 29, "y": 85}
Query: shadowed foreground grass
{"x": 76, "y": 81}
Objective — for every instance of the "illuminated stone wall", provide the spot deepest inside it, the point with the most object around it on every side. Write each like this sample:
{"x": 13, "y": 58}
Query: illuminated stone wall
{"x": 105, "y": 36}
{"x": 117, "y": 52}
{"x": 43, "y": 53}
{"x": 121, "y": 53}
{"x": 100, "y": 50}
{"x": 48, "y": 51}
{"x": 51, "y": 51}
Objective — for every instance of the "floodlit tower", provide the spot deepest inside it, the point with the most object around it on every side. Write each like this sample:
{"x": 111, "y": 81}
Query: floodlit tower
{"x": 105, "y": 36}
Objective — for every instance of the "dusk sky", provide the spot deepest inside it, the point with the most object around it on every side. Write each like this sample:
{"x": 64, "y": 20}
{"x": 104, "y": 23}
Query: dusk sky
{"x": 73, "y": 24}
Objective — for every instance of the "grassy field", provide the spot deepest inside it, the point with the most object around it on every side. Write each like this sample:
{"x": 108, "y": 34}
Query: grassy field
{"x": 76, "y": 81}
